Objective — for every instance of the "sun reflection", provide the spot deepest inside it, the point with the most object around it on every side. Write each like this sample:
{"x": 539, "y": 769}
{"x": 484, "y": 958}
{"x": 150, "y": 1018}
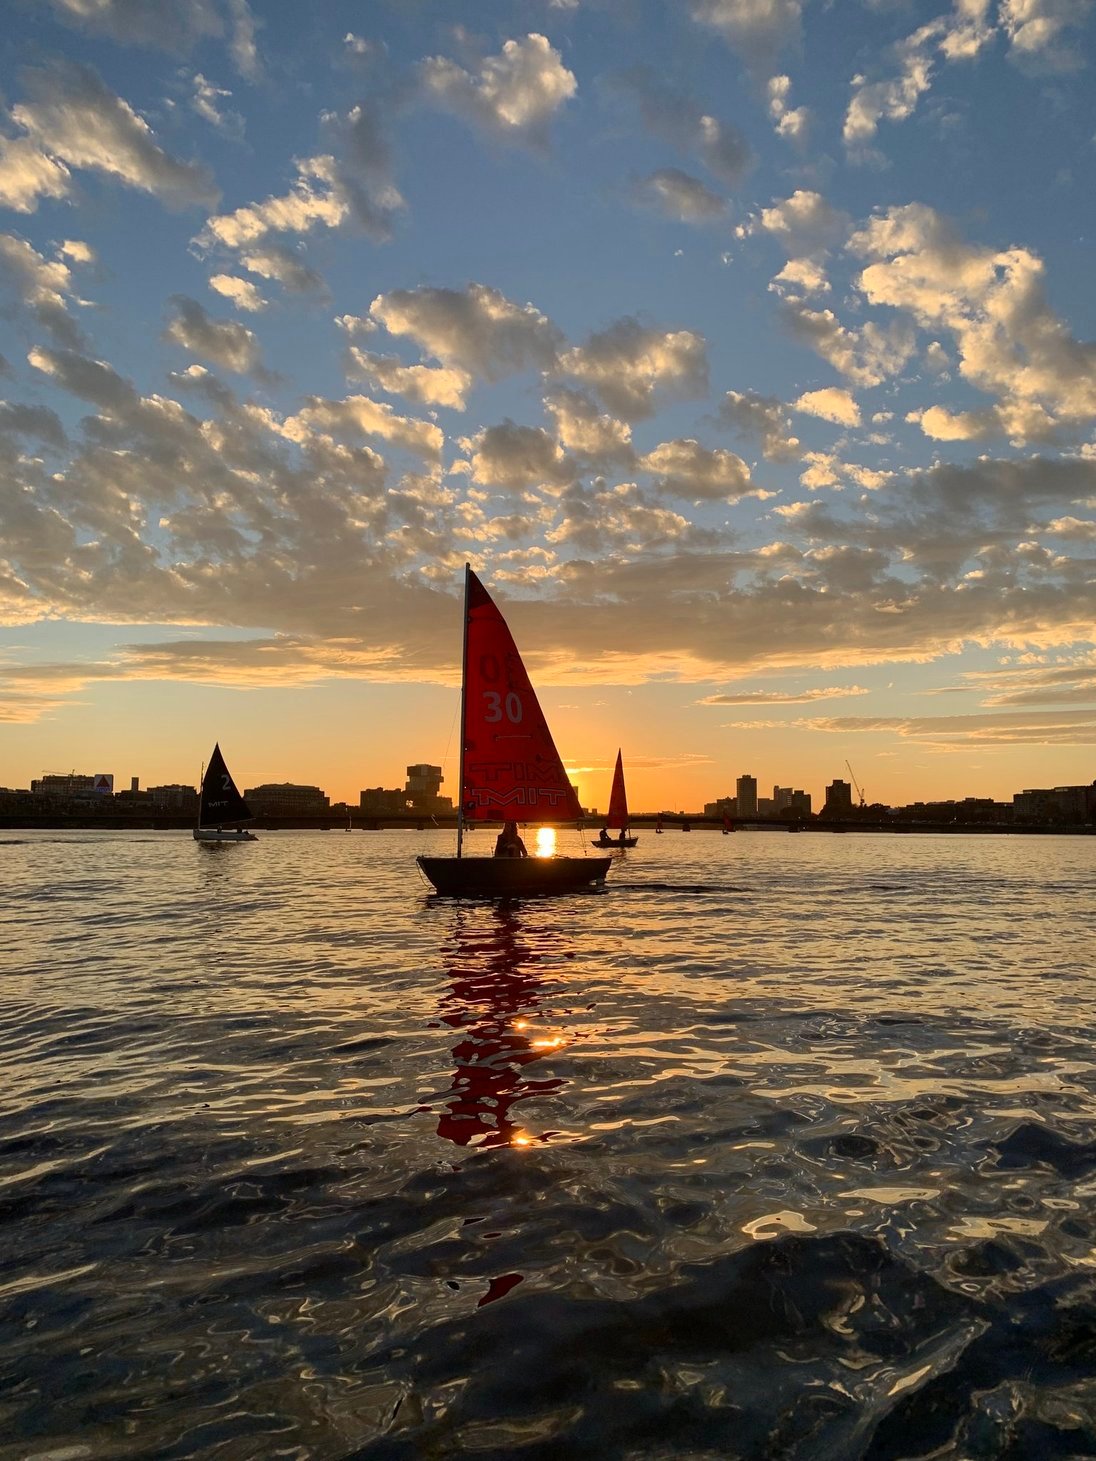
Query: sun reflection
{"x": 494, "y": 1003}
{"x": 546, "y": 841}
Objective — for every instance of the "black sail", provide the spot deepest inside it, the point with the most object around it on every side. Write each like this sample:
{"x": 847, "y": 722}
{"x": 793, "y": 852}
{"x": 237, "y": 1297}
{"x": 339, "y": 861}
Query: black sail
{"x": 220, "y": 802}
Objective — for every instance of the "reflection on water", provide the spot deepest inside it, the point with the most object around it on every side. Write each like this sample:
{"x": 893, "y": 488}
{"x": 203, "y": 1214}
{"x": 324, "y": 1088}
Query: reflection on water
{"x": 493, "y": 1002}
{"x": 781, "y": 1150}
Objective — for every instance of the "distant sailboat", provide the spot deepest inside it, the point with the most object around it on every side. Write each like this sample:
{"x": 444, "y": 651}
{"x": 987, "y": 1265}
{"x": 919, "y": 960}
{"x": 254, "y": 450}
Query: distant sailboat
{"x": 618, "y": 814}
{"x": 509, "y": 768}
{"x": 219, "y": 803}
{"x": 728, "y": 825}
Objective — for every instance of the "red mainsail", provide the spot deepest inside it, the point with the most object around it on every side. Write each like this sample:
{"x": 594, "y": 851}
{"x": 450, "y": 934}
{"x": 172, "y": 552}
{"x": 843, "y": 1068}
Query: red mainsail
{"x": 512, "y": 770}
{"x": 618, "y": 800}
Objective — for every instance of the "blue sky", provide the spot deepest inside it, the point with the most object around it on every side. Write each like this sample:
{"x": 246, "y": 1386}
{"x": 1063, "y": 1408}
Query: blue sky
{"x": 744, "y": 346}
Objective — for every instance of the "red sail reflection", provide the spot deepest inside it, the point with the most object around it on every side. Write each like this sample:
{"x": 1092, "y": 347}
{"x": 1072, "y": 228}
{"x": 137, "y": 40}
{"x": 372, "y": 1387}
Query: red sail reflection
{"x": 494, "y": 1000}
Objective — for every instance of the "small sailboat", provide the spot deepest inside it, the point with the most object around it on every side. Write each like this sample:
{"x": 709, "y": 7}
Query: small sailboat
{"x": 510, "y": 769}
{"x": 728, "y": 825}
{"x": 219, "y": 803}
{"x": 618, "y": 814}
{"x": 658, "y": 827}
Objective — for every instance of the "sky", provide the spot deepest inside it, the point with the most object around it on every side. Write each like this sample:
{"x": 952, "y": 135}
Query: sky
{"x": 745, "y": 348}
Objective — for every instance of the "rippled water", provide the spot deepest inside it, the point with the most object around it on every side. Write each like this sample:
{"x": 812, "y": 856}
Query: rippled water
{"x": 783, "y": 1147}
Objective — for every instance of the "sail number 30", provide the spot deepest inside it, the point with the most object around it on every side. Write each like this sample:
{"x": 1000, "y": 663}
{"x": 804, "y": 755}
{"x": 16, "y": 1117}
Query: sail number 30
{"x": 498, "y": 705}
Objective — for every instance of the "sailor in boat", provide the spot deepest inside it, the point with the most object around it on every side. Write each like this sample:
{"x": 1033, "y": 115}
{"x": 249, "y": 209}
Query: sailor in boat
{"x": 622, "y": 839}
{"x": 509, "y": 844}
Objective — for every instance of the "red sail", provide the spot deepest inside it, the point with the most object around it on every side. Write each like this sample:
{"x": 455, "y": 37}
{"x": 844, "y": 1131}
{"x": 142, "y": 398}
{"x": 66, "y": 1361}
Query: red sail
{"x": 618, "y": 800}
{"x": 512, "y": 769}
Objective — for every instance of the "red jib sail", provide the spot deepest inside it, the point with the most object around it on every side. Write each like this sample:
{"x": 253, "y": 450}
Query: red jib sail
{"x": 618, "y": 800}
{"x": 512, "y": 770}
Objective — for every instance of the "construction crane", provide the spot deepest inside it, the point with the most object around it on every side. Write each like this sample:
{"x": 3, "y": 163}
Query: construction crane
{"x": 859, "y": 788}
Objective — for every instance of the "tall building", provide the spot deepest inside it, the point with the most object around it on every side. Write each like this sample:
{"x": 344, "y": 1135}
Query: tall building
{"x": 1065, "y": 804}
{"x": 375, "y": 801}
{"x": 173, "y": 797}
{"x": 74, "y": 787}
{"x": 746, "y": 789}
{"x": 284, "y": 799}
{"x": 423, "y": 789}
{"x": 838, "y": 800}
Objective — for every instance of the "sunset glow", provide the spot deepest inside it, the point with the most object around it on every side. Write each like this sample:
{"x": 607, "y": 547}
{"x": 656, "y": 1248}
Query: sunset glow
{"x": 743, "y": 350}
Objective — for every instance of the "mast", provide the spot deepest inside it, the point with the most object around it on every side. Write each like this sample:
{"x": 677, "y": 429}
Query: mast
{"x": 463, "y": 693}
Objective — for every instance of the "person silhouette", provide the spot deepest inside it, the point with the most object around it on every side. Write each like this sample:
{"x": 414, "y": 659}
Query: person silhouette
{"x": 509, "y": 844}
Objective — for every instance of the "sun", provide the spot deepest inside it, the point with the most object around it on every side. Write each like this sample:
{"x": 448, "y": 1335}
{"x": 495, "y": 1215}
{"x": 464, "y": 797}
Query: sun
{"x": 546, "y": 841}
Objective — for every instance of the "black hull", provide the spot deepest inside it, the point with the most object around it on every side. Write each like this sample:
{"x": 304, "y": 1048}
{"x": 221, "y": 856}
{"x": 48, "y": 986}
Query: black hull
{"x": 512, "y": 877}
{"x": 614, "y": 842}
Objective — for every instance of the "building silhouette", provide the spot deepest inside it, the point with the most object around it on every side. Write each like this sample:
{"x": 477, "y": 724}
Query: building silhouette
{"x": 838, "y": 800}
{"x": 746, "y": 796}
{"x": 421, "y": 793}
{"x": 284, "y": 799}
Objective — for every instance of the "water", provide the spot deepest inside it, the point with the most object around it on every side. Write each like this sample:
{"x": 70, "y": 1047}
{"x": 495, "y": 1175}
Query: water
{"x": 784, "y": 1147}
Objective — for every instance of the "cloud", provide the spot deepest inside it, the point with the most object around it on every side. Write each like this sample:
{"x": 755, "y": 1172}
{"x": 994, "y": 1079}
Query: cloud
{"x": 830, "y": 404}
{"x": 1038, "y": 32}
{"x": 825, "y": 469}
{"x": 893, "y": 99}
{"x": 958, "y": 37}
{"x": 277, "y": 261}
{"x": 1009, "y": 342}
{"x": 177, "y": 27}
{"x": 512, "y": 97}
{"x": 515, "y": 457}
{"x": 206, "y": 102}
{"x": 866, "y": 357}
{"x": 351, "y": 186}
{"x": 476, "y": 330}
{"x": 27, "y": 175}
{"x": 684, "y": 468}
{"x": 623, "y": 518}
{"x": 762, "y": 417}
{"x": 628, "y": 362}
{"x": 804, "y": 223}
{"x": 677, "y": 195}
{"x": 757, "y": 29}
{"x": 315, "y": 200}
{"x": 783, "y": 697}
{"x": 78, "y": 251}
{"x": 242, "y": 43}
{"x": 1039, "y": 728}
{"x": 424, "y": 384}
{"x": 364, "y": 175}
{"x": 243, "y": 294}
{"x": 359, "y": 416}
{"x": 1071, "y": 679}
{"x": 42, "y": 286}
{"x": 790, "y": 122}
{"x": 227, "y": 343}
{"x": 599, "y": 439}
{"x": 1073, "y": 529}
{"x": 679, "y": 119}
{"x": 37, "y": 422}
{"x": 800, "y": 277}
{"x": 71, "y": 120}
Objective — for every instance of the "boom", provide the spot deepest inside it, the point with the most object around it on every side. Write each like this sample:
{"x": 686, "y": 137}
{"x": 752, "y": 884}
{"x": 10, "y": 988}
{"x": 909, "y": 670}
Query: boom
{"x": 859, "y": 788}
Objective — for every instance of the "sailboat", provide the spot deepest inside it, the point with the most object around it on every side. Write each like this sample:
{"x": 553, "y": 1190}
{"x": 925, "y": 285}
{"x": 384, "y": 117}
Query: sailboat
{"x": 728, "y": 825}
{"x": 509, "y": 768}
{"x": 618, "y": 814}
{"x": 219, "y": 803}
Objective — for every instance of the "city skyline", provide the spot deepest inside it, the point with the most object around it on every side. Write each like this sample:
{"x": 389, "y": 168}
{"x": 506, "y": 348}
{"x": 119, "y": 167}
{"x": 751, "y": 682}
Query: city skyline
{"x": 758, "y": 797}
{"x": 745, "y": 349}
